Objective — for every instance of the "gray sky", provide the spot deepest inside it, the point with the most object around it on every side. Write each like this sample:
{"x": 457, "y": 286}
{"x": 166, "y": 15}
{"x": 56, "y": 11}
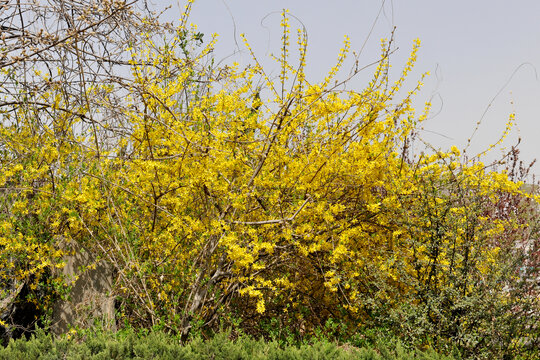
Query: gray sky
{"x": 482, "y": 54}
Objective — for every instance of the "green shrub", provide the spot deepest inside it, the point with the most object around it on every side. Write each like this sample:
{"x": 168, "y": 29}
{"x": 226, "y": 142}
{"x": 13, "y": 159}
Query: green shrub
{"x": 127, "y": 344}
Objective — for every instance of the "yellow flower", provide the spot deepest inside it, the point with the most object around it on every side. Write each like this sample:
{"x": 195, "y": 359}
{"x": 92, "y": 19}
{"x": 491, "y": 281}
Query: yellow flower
{"x": 260, "y": 306}
{"x": 374, "y": 208}
{"x": 455, "y": 150}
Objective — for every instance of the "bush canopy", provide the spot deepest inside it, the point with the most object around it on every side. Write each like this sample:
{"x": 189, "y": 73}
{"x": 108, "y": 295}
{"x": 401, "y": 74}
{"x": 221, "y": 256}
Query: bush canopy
{"x": 223, "y": 196}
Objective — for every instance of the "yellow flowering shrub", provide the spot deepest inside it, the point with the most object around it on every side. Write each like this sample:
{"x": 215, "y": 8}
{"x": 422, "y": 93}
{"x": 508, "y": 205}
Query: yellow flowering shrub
{"x": 226, "y": 194}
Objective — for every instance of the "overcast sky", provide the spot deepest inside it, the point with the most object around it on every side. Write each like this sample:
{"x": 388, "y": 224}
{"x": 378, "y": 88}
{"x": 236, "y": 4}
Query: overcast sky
{"x": 478, "y": 52}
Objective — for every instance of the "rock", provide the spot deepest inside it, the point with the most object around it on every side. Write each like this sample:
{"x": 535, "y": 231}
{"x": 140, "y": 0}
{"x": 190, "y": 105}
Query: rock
{"x": 89, "y": 299}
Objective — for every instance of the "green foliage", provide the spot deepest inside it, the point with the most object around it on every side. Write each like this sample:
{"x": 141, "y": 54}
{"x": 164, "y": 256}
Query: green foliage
{"x": 468, "y": 288}
{"x": 158, "y": 345}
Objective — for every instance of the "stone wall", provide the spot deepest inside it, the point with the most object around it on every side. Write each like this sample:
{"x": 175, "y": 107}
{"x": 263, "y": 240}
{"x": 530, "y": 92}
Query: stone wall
{"x": 89, "y": 300}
